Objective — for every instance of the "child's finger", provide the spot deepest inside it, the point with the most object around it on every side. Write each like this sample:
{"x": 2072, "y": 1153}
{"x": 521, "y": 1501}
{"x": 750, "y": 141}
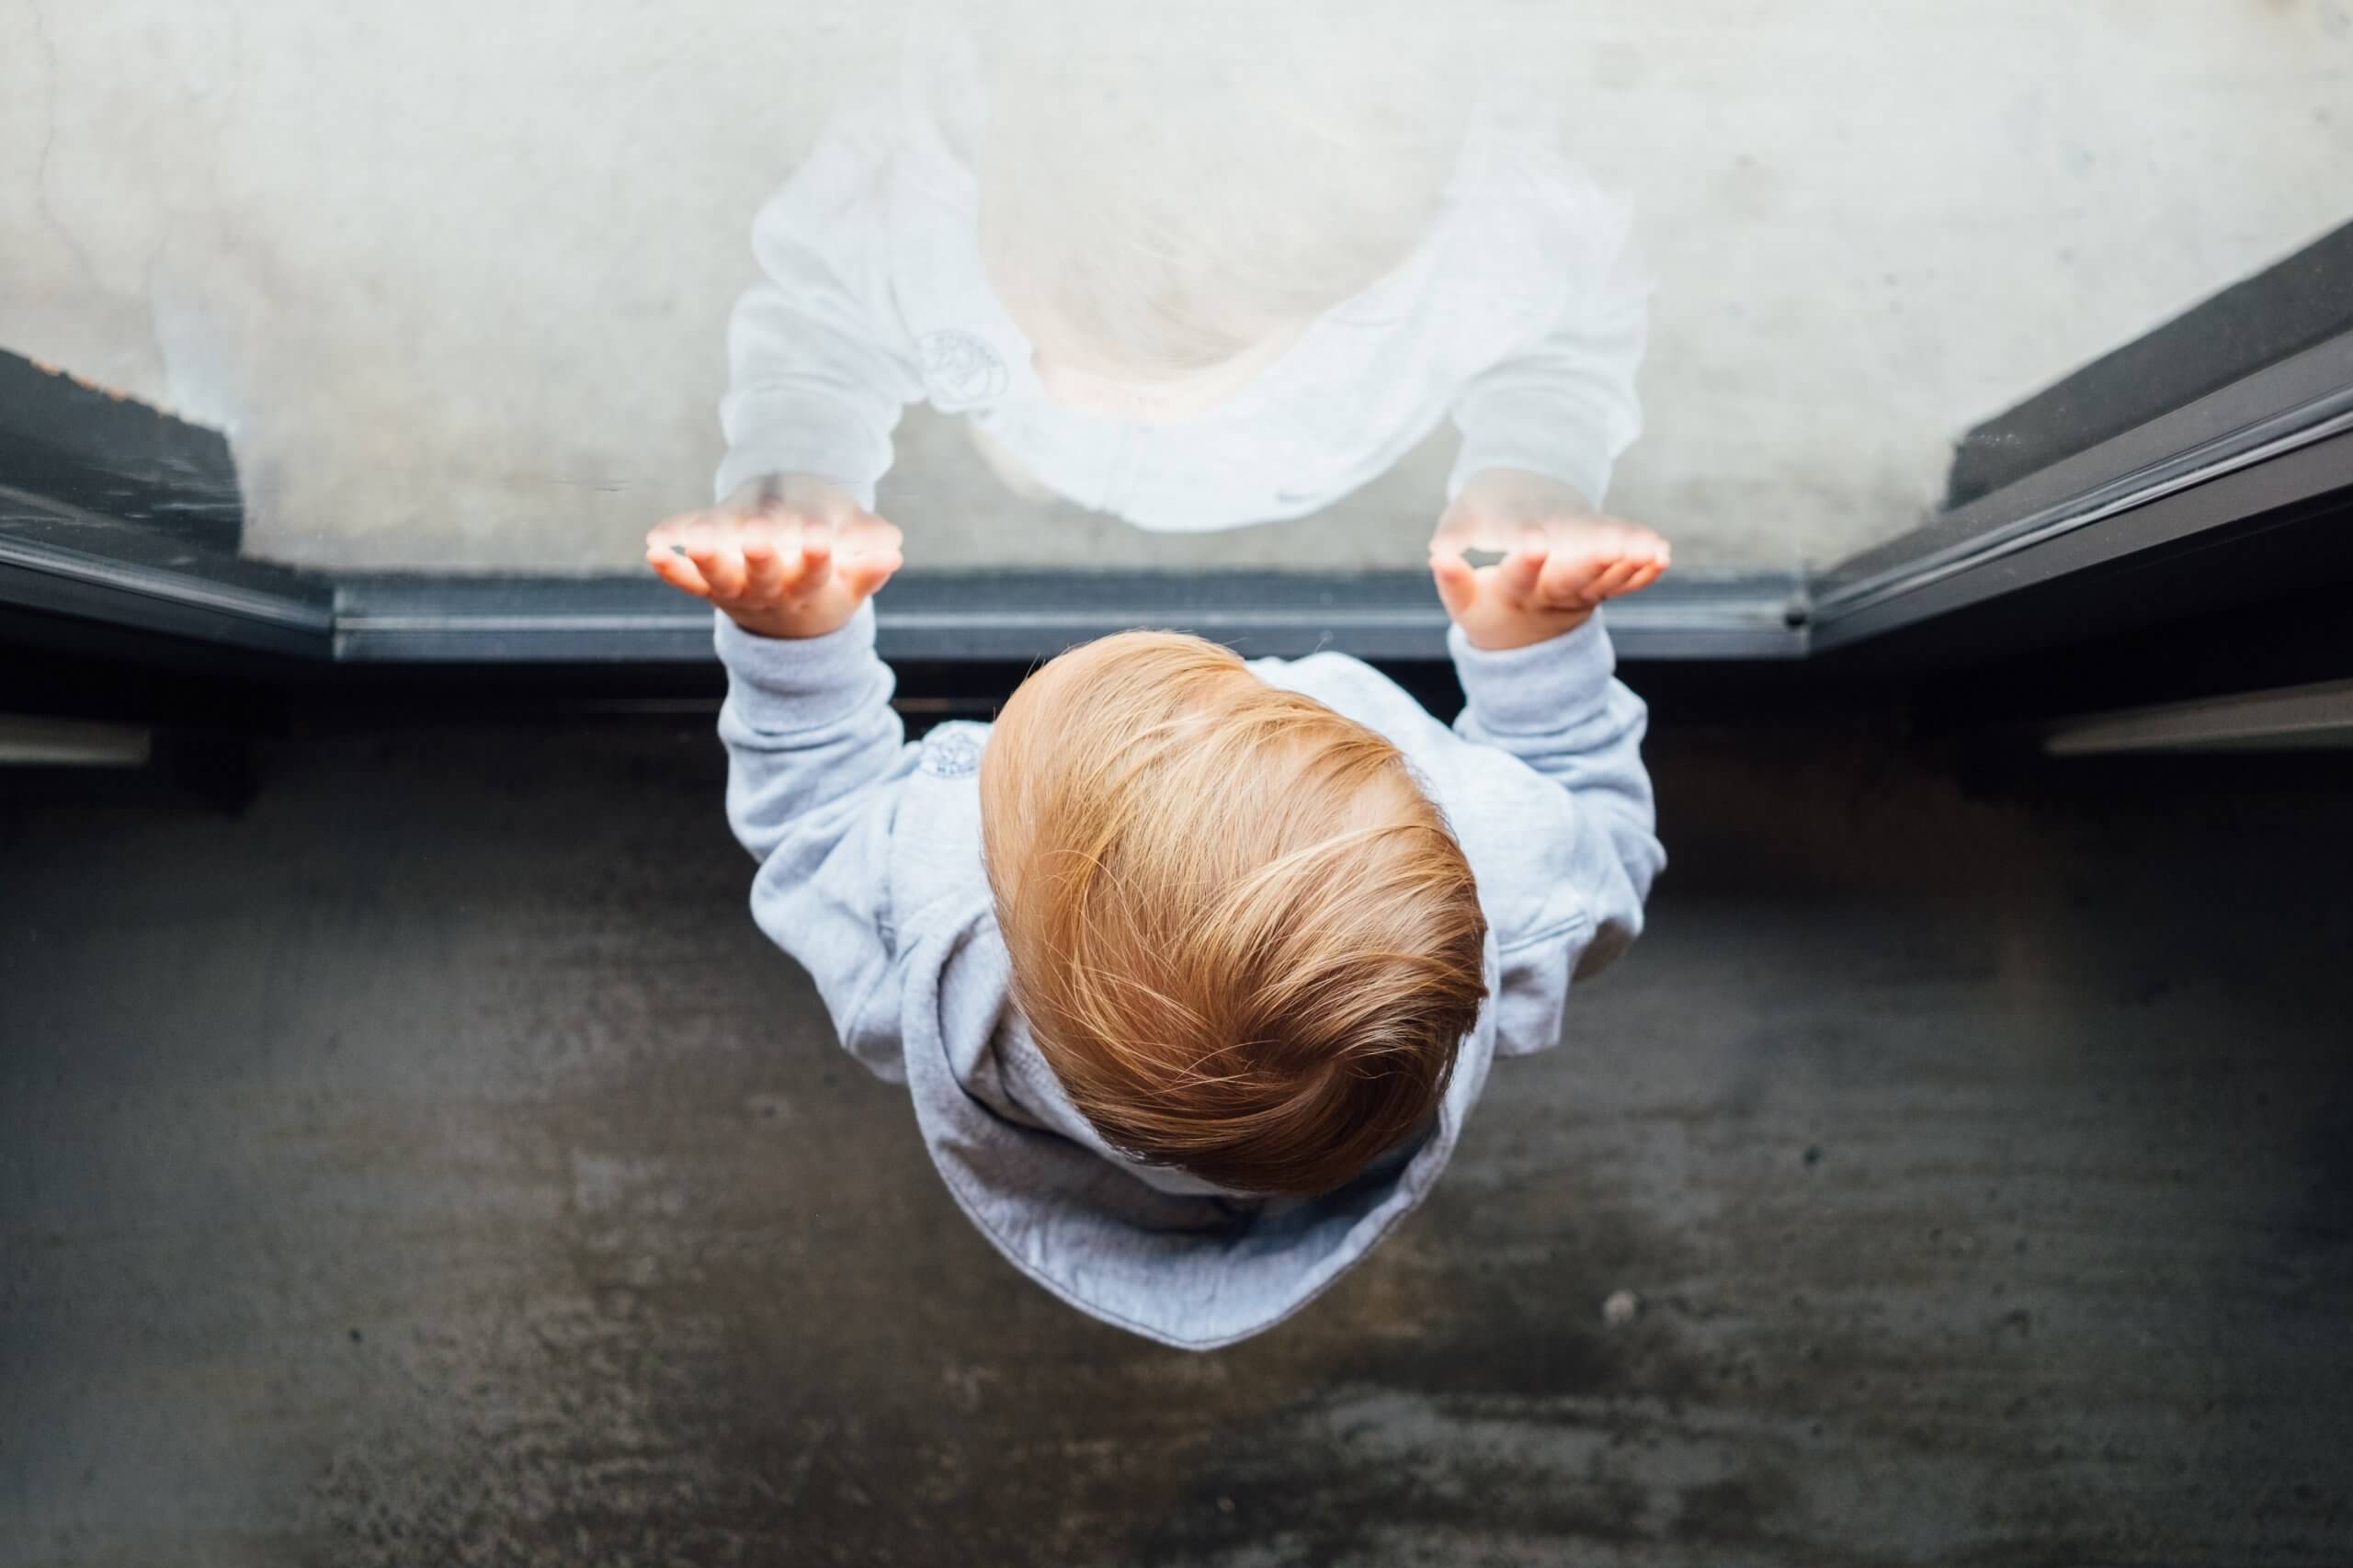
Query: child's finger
{"x": 763, "y": 567}
{"x": 676, "y": 571}
{"x": 1612, "y": 579}
{"x": 1644, "y": 578}
{"x": 862, "y": 574}
{"x": 1632, "y": 570}
{"x": 1458, "y": 583}
{"x": 815, "y": 568}
{"x": 1568, "y": 580}
{"x": 1521, "y": 571}
{"x": 720, "y": 564}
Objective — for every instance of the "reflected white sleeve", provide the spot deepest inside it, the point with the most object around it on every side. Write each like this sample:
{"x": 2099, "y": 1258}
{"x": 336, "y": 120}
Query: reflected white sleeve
{"x": 1564, "y": 405}
{"x": 819, "y": 363}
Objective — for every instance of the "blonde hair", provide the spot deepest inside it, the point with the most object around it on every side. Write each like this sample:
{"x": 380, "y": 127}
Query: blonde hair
{"x": 1242, "y": 935}
{"x": 1179, "y": 182}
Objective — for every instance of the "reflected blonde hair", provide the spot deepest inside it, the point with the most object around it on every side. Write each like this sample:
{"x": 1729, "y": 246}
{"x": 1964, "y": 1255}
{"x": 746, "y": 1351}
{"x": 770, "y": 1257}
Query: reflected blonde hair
{"x": 1243, "y": 936}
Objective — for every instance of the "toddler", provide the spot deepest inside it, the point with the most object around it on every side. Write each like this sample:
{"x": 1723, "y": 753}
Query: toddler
{"x": 1192, "y": 967}
{"x": 1194, "y": 266}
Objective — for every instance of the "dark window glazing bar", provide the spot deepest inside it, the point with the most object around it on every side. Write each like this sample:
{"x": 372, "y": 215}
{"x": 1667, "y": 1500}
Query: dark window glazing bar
{"x": 1022, "y": 615}
{"x": 58, "y": 559}
{"x": 1996, "y": 543}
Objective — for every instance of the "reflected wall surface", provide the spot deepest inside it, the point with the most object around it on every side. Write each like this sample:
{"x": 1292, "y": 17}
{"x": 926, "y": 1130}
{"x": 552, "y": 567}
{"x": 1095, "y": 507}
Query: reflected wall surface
{"x": 456, "y": 281}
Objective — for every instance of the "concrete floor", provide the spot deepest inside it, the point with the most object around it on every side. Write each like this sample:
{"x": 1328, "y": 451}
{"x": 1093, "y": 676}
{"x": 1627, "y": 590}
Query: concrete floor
{"x": 454, "y": 277}
{"x": 431, "y": 1165}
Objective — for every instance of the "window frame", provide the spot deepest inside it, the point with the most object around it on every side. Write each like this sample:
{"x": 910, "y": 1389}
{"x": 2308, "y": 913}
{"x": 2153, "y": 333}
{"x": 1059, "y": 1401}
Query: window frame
{"x": 2272, "y": 438}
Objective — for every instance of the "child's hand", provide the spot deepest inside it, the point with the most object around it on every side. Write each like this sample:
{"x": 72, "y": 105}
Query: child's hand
{"x": 790, "y": 557}
{"x": 1560, "y": 560}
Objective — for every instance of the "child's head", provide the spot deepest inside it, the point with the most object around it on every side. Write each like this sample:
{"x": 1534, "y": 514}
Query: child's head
{"x": 1169, "y": 194}
{"x": 1244, "y": 939}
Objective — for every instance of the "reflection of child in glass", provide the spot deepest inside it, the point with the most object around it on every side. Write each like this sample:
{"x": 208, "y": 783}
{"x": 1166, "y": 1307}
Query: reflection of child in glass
{"x": 1192, "y": 968}
{"x": 1196, "y": 274}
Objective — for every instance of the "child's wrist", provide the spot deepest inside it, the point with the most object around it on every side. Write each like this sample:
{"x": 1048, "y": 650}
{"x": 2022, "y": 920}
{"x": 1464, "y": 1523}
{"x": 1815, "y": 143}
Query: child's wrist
{"x": 1521, "y": 632}
{"x": 789, "y": 628}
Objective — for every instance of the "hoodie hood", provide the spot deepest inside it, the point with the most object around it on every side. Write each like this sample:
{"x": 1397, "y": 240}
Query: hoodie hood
{"x": 1156, "y": 1251}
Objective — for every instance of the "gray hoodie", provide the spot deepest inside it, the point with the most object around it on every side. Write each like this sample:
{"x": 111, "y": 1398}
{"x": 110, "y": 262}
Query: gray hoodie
{"x": 870, "y": 876}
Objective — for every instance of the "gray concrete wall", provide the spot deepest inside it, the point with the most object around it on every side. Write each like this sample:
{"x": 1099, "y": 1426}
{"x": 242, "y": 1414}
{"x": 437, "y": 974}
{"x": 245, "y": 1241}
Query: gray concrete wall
{"x": 454, "y": 275}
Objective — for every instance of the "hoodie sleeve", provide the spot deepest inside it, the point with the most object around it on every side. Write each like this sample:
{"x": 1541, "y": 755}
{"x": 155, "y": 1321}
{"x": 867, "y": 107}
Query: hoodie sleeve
{"x": 820, "y": 362}
{"x": 1557, "y": 708}
{"x": 1561, "y": 403}
{"x": 817, "y": 759}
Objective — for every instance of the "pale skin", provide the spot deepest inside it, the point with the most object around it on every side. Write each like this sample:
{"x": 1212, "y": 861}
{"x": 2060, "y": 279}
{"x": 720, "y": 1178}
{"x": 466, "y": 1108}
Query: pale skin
{"x": 794, "y": 556}
{"x": 1561, "y": 559}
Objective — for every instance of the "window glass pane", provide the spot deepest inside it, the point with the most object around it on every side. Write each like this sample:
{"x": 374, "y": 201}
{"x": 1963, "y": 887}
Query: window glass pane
{"x": 457, "y": 280}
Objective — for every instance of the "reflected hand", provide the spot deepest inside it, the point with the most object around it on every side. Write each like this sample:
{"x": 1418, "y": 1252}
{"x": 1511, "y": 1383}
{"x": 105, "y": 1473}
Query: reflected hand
{"x": 1562, "y": 559}
{"x": 792, "y": 556}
